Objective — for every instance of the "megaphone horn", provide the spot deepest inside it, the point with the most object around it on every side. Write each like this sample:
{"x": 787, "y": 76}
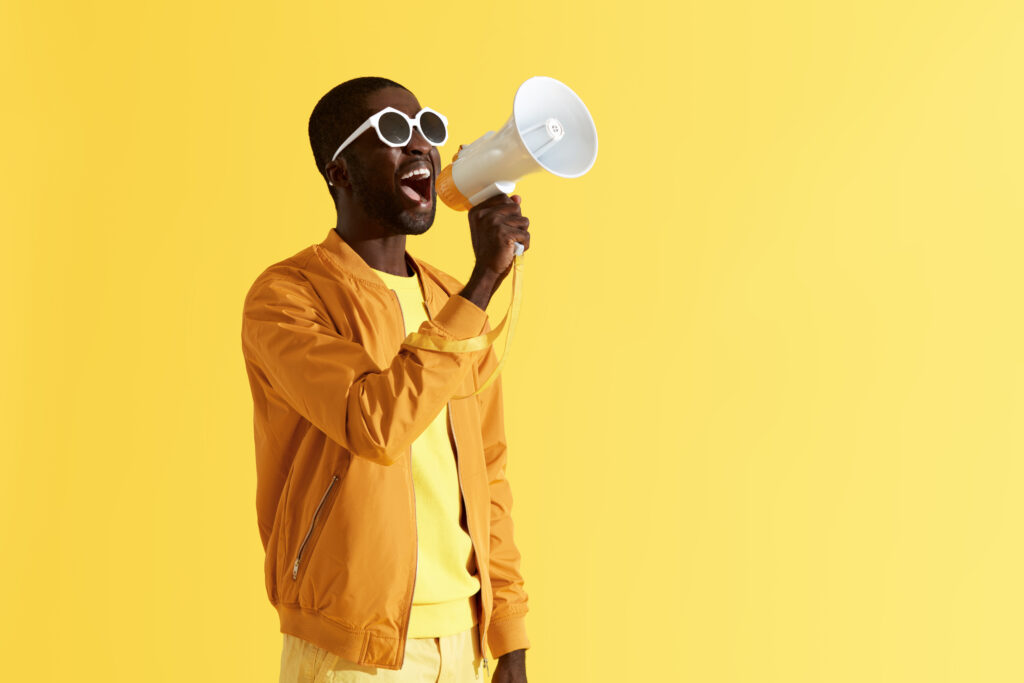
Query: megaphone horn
{"x": 550, "y": 129}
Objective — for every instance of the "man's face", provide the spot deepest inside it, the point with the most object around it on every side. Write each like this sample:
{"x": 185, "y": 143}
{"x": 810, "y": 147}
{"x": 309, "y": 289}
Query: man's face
{"x": 376, "y": 170}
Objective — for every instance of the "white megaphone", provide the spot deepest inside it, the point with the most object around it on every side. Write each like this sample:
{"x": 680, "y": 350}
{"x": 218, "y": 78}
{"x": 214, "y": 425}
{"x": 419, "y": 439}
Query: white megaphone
{"x": 550, "y": 129}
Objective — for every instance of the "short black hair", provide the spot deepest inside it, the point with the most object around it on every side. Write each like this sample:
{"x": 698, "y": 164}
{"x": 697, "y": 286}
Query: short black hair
{"x": 338, "y": 113}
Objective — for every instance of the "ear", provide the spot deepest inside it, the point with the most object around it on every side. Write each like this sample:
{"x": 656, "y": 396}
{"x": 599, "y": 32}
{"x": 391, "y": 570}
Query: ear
{"x": 337, "y": 173}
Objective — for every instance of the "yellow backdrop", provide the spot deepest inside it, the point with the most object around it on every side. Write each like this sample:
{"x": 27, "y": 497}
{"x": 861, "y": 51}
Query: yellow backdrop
{"x": 765, "y": 401}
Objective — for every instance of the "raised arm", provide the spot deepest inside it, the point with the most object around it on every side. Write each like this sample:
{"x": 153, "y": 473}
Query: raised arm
{"x": 335, "y": 384}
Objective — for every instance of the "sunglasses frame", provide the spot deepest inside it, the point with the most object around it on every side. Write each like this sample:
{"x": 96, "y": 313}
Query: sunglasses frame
{"x": 374, "y": 122}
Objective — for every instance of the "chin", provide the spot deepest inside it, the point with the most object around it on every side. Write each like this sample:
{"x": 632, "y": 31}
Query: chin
{"x": 415, "y": 223}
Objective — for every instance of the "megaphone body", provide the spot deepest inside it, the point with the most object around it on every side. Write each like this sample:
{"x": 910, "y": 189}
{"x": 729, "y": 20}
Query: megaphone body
{"x": 550, "y": 129}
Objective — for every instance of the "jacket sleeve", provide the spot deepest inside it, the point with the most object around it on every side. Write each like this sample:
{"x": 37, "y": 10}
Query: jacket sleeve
{"x": 507, "y": 630}
{"x": 335, "y": 384}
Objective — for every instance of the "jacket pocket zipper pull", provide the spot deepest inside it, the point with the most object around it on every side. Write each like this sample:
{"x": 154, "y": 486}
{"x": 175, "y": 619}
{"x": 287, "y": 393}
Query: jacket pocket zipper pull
{"x": 312, "y": 525}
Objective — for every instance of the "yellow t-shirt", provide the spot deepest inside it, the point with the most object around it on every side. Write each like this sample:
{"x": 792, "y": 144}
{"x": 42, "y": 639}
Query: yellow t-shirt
{"x": 446, "y": 573}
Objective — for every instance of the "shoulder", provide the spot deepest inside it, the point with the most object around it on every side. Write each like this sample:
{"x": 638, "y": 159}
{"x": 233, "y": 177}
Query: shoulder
{"x": 291, "y": 272}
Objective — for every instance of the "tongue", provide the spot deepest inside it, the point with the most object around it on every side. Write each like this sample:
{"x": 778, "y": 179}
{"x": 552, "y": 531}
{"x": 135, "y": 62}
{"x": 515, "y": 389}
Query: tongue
{"x": 411, "y": 193}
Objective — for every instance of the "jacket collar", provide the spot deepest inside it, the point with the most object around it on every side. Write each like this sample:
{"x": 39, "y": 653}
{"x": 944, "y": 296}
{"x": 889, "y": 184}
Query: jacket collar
{"x": 351, "y": 263}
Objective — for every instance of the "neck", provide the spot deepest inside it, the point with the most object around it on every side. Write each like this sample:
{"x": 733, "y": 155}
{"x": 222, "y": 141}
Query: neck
{"x": 380, "y": 249}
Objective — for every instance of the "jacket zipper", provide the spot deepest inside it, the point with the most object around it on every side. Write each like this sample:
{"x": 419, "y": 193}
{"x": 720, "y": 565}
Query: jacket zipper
{"x": 312, "y": 525}
{"x": 458, "y": 471}
{"x": 416, "y": 556}
{"x": 415, "y": 534}
{"x": 462, "y": 491}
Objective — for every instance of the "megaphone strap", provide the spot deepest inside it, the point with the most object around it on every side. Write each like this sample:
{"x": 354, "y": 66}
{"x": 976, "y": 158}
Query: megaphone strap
{"x": 432, "y": 343}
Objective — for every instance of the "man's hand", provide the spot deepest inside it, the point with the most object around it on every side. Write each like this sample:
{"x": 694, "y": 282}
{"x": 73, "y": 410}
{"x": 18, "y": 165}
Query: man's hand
{"x": 495, "y": 226}
{"x": 511, "y": 668}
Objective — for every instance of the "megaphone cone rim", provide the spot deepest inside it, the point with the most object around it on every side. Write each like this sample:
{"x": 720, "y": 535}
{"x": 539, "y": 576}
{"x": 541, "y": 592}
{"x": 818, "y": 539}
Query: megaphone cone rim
{"x": 583, "y": 106}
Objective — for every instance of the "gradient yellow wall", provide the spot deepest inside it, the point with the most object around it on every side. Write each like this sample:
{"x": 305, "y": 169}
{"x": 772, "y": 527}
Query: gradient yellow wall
{"x": 765, "y": 401}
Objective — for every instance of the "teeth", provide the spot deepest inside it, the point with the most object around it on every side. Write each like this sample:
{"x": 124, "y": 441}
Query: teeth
{"x": 417, "y": 173}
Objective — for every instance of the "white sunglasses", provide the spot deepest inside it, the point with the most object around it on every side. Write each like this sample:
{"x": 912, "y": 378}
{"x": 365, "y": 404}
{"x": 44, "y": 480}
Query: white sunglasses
{"x": 394, "y": 128}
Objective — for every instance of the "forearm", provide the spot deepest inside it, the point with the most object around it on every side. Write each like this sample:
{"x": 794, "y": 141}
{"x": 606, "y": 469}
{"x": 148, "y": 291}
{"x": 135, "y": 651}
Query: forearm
{"x": 335, "y": 384}
{"x": 391, "y": 408}
{"x": 481, "y": 286}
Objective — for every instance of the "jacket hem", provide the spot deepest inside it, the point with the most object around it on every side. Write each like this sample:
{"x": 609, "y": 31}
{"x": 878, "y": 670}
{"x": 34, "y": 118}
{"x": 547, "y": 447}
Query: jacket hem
{"x": 359, "y": 646}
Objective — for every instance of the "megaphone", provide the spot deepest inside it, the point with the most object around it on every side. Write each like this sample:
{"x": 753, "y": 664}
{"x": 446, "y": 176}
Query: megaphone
{"x": 550, "y": 129}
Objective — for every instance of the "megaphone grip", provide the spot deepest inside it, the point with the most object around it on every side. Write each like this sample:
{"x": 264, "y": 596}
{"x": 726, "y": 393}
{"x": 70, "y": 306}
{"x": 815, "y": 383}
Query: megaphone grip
{"x": 482, "y": 341}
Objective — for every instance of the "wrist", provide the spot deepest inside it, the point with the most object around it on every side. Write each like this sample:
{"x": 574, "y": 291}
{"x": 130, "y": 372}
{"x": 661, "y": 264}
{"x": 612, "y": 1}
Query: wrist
{"x": 485, "y": 275}
{"x": 481, "y": 286}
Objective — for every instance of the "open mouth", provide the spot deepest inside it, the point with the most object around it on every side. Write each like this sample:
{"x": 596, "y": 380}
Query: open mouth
{"x": 416, "y": 184}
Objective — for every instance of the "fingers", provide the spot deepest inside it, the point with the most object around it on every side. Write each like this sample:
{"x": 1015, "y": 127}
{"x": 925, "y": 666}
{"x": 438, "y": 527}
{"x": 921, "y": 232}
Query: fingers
{"x": 513, "y": 235}
{"x": 501, "y": 216}
{"x": 516, "y": 224}
{"x": 524, "y": 239}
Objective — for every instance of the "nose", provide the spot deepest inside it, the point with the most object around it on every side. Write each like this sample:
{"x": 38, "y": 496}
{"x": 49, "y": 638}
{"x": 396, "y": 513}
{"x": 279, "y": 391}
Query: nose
{"x": 417, "y": 143}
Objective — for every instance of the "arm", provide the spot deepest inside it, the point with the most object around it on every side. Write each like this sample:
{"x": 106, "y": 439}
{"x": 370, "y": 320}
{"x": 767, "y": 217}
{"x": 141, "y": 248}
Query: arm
{"x": 507, "y": 631}
{"x": 335, "y": 384}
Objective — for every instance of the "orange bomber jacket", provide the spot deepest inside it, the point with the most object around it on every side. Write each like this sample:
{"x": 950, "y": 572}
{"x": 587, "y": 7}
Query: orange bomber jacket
{"x": 338, "y": 401}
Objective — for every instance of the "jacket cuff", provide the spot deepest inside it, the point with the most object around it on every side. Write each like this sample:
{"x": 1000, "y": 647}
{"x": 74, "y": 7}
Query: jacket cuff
{"x": 507, "y": 635}
{"x": 460, "y": 318}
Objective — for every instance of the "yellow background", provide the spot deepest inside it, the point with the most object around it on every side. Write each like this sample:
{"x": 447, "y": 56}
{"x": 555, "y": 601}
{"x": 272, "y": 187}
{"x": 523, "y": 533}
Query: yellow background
{"x": 765, "y": 402}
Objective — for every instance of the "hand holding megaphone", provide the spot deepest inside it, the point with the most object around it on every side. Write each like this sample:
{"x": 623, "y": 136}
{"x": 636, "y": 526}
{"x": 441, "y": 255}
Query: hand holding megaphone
{"x": 550, "y": 129}
{"x": 496, "y": 226}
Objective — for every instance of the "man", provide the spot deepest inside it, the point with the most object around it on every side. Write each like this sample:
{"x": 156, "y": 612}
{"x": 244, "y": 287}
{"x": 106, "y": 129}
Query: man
{"x": 381, "y": 495}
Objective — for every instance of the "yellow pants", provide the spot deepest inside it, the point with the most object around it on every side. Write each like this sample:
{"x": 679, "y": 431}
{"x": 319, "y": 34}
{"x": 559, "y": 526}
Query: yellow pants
{"x": 448, "y": 659}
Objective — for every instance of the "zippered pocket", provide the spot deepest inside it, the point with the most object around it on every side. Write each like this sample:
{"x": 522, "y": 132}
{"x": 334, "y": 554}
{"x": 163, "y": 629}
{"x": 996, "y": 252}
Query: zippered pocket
{"x": 312, "y": 526}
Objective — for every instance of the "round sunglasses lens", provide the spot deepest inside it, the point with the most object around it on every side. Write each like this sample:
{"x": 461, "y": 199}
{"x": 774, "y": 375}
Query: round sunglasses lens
{"x": 432, "y": 127}
{"x": 394, "y": 127}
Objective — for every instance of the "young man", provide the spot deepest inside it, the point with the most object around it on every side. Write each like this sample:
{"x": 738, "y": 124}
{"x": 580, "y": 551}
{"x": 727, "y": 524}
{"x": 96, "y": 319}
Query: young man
{"x": 381, "y": 496}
